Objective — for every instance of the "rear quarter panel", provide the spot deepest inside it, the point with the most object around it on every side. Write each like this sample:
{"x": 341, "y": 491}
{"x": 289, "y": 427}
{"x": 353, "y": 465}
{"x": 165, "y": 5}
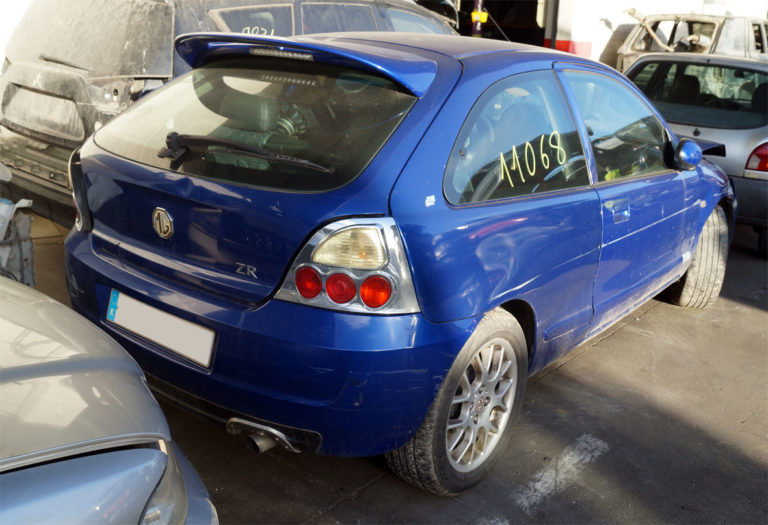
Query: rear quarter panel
{"x": 467, "y": 260}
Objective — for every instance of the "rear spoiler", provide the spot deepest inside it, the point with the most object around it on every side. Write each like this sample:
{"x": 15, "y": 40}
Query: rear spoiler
{"x": 413, "y": 72}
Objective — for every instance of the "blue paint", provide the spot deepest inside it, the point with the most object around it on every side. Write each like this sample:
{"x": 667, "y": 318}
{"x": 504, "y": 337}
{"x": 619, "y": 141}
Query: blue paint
{"x": 579, "y": 258}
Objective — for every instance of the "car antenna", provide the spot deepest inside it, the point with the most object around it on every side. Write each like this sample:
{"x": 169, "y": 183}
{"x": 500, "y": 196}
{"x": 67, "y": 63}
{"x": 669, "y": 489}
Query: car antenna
{"x": 497, "y": 26}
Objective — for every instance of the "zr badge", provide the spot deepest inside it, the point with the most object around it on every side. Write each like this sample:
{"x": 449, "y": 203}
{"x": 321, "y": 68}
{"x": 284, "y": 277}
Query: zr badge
{"x": 246, "y": 269}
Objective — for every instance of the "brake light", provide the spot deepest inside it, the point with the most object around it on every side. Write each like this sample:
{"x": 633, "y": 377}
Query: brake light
{"x": 340, "y": 288}
{"x": 375, "y": 291}
{"x": 353, "y": 265}
{"x": 758, "y": 160}
{"x": 308, "y": 282}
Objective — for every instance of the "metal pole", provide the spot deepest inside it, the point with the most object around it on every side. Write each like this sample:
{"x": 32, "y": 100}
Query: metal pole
{"x": 477, "y": 26}
{"x": 556, "y": 10}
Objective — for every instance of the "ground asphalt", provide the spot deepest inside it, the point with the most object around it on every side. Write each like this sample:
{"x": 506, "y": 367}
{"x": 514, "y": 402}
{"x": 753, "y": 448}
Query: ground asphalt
{"x": 662, "y": 419}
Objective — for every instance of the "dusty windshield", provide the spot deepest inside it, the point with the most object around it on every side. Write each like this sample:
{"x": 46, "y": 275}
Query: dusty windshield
{"x": 288, "y": 125}
{"x": 139, "y": 40}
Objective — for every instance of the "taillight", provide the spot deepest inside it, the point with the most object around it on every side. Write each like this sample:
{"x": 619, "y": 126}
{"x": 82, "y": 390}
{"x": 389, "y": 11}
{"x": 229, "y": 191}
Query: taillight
{"x": 340, "y": 288}
{"x": 308, "y": 282}
{"x": 353, "y": 265}
{"x": 375, "y": 291}
{"x": 758, "y": 160}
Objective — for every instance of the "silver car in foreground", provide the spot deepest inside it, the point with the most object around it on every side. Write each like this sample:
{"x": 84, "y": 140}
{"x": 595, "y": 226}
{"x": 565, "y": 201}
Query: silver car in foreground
{"x": 82, "y": 440}
{"x": 723, "y": 100}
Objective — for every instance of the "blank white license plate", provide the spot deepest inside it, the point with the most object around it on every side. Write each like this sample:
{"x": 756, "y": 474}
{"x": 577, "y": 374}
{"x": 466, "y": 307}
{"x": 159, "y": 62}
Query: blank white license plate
{"x": 183, "y": 337}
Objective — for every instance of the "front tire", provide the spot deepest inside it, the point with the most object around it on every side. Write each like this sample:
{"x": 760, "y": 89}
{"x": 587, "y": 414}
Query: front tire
{"x": 467, "y": 426}
{"x": 701, "y": 283}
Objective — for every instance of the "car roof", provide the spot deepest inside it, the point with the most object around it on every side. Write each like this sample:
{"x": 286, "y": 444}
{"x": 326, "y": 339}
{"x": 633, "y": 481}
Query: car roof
{"x": 702, "y": 58}
{"x": 408, "y": 58}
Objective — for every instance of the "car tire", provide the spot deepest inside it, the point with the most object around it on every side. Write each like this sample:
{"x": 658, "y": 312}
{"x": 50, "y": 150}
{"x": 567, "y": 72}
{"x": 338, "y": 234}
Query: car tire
{"x": 457, "y": 444}
{"x": 701, "y": 283}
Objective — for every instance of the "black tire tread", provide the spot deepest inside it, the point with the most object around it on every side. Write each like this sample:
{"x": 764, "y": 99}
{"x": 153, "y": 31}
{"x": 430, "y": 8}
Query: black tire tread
{"x": 701, "y": 284}
{"x": 414, "y": 461}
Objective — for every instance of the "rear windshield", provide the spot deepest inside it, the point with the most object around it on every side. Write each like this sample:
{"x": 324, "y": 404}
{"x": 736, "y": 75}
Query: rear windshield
{"x": 288, "y": 125}
{"x": 104, "y": 38}
{"x": 706, "y": 95}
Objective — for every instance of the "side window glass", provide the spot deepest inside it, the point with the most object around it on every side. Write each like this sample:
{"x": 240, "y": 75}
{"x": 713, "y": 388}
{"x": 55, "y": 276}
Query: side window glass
{"x": 272, "y": 20}
{"x": 644, "y": 74}
{"x": 518, "y": 139}
{"x": 406, "y": 22}
{"x": 627, "y": 138}
{"x": 758, "y": 38}
{"x": 646, "y": 41}
{"x": 330, "y": 18}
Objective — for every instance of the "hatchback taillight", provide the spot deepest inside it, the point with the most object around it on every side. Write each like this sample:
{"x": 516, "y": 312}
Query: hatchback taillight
{"x": 758, "y": 160}
{"x": 355, "y": 265}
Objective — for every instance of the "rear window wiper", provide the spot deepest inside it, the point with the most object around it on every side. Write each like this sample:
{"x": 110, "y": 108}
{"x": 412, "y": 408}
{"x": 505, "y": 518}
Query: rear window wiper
{"x": 55, "y": 60}
{"x": 178, "y": 144}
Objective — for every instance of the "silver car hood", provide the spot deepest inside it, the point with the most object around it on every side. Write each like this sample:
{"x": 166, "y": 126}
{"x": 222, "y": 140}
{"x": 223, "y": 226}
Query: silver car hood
{"x": 66, "y": 388}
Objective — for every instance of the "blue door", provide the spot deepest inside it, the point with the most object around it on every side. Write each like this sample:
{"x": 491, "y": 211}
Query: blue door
{"x": 641, "y": 198}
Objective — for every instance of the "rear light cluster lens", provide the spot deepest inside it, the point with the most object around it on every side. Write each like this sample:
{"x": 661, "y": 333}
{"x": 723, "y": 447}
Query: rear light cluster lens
{"x": 353, "y": 265}
{"x": 340, "y": 288}
{"x": 375, "y": 291}
{"x": 308, "y": 282}
{"x": 758, "y": 160}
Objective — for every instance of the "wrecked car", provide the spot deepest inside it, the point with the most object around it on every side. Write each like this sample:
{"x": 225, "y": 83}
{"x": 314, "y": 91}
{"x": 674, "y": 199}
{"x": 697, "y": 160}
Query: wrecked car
{"x": 70, "y": 67}
{"x": 694, "y": 33}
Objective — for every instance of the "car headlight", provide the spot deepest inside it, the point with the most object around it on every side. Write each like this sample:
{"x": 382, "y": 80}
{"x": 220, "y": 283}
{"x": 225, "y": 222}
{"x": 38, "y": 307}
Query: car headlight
{"x": 168, "y": 503}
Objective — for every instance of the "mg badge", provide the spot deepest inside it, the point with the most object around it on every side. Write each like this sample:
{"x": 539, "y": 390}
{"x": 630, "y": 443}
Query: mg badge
{"x": 163, "y": 223}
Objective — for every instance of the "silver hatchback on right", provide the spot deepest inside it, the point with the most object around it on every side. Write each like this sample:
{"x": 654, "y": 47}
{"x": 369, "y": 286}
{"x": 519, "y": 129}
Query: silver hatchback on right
{"x": 723, "y": 100}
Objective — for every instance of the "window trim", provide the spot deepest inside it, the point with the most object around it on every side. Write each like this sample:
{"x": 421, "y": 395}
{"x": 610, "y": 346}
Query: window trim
{"x": 505, "y": 200}
{"x": 671, "y": 139}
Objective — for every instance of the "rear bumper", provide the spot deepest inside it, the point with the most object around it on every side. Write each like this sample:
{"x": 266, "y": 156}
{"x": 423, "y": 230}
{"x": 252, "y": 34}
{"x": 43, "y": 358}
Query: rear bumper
{"x": 331, "y": 382}
{"x": 753, "y": 201}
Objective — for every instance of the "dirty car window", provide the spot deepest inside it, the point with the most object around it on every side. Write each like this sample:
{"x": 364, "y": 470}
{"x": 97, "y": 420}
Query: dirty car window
{"x": 71, "y": 33}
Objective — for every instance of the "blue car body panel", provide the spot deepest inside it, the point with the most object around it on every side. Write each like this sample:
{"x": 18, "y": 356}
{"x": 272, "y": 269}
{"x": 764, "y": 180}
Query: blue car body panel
{"x": 350, "y": 384}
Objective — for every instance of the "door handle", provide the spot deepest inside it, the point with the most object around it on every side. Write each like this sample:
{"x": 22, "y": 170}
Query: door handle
{"x": 619, "y": 209}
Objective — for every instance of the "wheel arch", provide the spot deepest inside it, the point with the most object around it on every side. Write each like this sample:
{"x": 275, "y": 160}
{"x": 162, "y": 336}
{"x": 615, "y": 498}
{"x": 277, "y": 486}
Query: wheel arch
{"x": 525, "y": 315}
{"x": 726, "y": 203}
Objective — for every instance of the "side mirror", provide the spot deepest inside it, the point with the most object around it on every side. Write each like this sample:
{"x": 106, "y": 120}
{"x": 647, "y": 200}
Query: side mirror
{"x": 687, "y": 155}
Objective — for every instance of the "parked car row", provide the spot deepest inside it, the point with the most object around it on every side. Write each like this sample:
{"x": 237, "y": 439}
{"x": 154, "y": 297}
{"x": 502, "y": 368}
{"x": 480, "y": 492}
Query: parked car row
{"x": 736, "y": 36}
{"x": 363, "y": 244}
{"x": 70, "y": 68}
{"x": 347, "y": 244}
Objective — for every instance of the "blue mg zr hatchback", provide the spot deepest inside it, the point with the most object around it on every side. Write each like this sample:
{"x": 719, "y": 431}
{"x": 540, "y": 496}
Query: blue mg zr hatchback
{"x": 358, "y": 244}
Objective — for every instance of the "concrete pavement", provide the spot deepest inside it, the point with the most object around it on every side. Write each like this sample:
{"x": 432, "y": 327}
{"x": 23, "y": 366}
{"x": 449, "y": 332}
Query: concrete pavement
{"x": 664, "y": 419}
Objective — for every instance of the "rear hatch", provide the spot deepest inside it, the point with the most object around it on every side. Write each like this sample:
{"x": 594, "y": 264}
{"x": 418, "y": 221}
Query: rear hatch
{"x": 66, "y": 76}
{"x": 218, "y": 179}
